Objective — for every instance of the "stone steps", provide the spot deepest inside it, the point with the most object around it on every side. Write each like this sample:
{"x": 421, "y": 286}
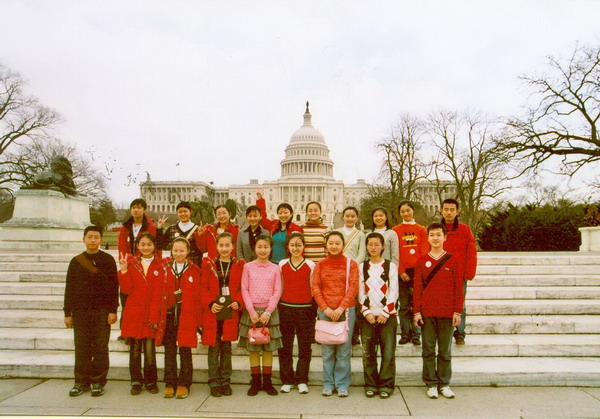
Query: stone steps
{"x": 474, "y": 306}
{"x": 476, "y": 324}
{"x": 534, "y": 281}
{"x": 474, "y": 371}
{"x": 534, "y": 319}
{"x": 477, "y": 345}
{"x": 475, "y": 293}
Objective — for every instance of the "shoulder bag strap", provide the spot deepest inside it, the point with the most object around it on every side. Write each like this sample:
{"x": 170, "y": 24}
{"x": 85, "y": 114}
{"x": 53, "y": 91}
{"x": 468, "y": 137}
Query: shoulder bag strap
{"x": 435, "y": 270}
{"x": 83, "y": 261}
{"x": 350, "y": 240}
{"x": 191, "y": 233}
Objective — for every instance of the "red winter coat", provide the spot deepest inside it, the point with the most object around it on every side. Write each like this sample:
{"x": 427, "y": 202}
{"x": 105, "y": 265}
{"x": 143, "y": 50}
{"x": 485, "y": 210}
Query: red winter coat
{"x": 461, "y": 244}
{"x": 126, "y": 243}
{"x": 208, "y": 239}
{"x": 273, "y": 225}
{"x": 208, "y": 295}
{"x": 140, "y": 289}
{"x": 191, "y": 311}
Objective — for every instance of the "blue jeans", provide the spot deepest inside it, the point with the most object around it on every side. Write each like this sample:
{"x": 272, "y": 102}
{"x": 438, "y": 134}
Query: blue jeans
{"x": 437, "y": 330}
{"x": 460, "y": 329}
{"x": 336, "y": 358}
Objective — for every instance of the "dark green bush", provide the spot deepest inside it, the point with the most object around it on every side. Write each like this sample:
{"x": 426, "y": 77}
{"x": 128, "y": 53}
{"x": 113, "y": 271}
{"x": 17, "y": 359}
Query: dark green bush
{"x": 535, "y": 228}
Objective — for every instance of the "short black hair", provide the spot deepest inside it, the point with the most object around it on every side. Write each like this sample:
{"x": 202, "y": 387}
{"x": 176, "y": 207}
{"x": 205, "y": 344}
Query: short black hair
{"x": 139, "y": 201}
{"x": 253, "y": 208}
{"x": 335, "y": 233}
{"x": 93, "y": 228}
{"x": 183, "y": 204}
{"x": 450, "y": 201}
{"x": 437, "y": 226}
{"x": 350, "y": 209}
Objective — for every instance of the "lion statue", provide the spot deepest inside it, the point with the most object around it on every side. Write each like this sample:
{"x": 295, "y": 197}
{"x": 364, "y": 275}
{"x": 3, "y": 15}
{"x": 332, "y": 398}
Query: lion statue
{"x": 58, "y": 178}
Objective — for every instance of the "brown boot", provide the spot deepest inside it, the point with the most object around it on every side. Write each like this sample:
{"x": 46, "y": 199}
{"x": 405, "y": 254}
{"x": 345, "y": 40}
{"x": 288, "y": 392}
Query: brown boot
{"x": 255, "y": 385}
{"x": 267, "y": 385}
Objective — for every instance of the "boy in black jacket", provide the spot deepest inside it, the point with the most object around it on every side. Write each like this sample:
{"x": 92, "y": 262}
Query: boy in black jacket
{"x": 91, "y": 301}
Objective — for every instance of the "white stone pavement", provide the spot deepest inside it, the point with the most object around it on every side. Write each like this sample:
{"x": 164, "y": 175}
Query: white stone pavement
{"x": 34, "y": 397}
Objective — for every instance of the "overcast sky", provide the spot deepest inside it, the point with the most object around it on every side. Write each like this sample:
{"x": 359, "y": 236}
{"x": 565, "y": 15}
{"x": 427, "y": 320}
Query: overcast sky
{"x": 219, "y": 87}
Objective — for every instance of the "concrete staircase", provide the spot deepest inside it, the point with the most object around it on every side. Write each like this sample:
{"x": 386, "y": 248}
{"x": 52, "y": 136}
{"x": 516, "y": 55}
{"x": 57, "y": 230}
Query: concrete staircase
{"x": 534, "y": 319}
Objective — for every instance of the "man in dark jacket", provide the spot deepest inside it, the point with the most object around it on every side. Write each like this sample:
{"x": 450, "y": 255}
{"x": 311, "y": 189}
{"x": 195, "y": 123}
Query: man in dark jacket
{"x": 91, "y": 302}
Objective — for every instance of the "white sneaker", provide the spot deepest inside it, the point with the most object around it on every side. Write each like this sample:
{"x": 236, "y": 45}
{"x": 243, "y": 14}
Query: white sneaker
{"x": 286, "y": 388}
{"x": 302, "y": 388}
{"x": 446, "y": 392}
{"x": 432, "y": 392}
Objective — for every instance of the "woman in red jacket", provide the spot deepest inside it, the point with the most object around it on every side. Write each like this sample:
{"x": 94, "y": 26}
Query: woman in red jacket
{"x": 223, "y": 225}
{"x": 280, "y": 229}
{"x": 413, "y": 244}
{"x": 137, "y": 277}
{"x": 221, "y": 279}
{"x": 176, "y": 314}
{"x": 334, "y": 288}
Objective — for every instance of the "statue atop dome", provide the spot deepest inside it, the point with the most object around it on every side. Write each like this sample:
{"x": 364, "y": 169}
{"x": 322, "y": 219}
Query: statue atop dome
{"x": 307, "y": 107}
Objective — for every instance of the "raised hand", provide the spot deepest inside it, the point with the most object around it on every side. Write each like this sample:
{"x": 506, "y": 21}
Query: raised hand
{"x": 161, "y": 221}
{"x": 123, "y": 262}
{"x": 259, "y": 194}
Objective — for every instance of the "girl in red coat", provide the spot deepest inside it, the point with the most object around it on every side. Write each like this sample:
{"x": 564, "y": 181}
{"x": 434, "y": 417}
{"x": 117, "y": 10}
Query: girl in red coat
{"x": 176, "y": 313}
{"x": 137, "y": 277}
{"x": 413, "y": 244}
{"x": 280, "y": 229}
{"x": 221, "y": 279}
{"x": 223, "y": 224}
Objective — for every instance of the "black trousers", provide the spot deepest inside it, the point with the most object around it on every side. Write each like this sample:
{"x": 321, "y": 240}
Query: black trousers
{"x": 185, "y": 356}
{"x": 91, "y": 335}
{"x": 296, "y": 321}
{"x": 136, "y": 347}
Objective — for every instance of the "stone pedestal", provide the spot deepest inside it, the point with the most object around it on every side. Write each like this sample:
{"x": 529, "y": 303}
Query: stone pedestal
{"x": 590, "y": 239}
{"x": 45, "y": 219}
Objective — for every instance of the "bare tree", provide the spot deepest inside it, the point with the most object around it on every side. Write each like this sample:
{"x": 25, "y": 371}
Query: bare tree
{"x": 32, "y": 157}
{"x": 562, "y": 119}
{"x": 403, "y": 167}
{"x": 21, "y": 118}
{"x": 467, "y": 159}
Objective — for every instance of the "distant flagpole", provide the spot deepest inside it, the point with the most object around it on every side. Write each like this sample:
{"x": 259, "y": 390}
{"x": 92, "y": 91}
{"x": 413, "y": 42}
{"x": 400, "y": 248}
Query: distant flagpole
{"x": 178, "y": 171}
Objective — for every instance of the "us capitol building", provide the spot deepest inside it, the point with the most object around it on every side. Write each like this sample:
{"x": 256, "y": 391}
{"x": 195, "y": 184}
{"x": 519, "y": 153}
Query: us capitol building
{"x": 306, "y": 175}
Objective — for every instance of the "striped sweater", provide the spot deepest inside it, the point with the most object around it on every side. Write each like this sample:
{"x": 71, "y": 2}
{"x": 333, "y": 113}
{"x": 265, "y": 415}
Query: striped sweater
{"x": 314, "y": 238}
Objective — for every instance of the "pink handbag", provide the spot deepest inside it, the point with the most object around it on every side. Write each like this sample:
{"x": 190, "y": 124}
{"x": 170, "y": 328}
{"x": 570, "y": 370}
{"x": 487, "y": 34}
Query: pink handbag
{"x": 333, "y": 333}
{"x": 260, "y": 336}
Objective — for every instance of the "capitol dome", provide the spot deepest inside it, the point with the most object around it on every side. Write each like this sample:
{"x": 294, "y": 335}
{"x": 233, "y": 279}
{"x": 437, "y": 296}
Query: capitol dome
{"x": 307, "y": 155}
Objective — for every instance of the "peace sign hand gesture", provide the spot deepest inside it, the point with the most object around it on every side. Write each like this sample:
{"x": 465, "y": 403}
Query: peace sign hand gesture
{"x": 259, "y": 194}
{"x": 123, "y": 262}
{"x": 161, "y": 221}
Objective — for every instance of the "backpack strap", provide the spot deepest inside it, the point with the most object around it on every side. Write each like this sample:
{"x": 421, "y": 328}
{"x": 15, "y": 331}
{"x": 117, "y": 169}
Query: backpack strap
{"x": 435, "y": 270}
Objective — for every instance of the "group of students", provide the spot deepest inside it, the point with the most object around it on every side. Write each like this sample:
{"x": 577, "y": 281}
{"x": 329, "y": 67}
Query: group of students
{"x": 265, "y": 286}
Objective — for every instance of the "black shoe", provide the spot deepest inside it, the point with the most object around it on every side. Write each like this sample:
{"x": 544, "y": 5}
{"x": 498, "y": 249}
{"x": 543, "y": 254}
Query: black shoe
{"x": 226, "y": 390}
{"x": 135, "y": 389}
{"x": 403, "y": 340}
{"x": 255, "y": 385}
{"x": 78, "y": 390}
{"x": 416, "y": 341}
{"x": 97, "y": 390}
{"x": 216, "y": 391}
{"x": 152, "y": 388}
{"x": 355, "y": 341}
{"x": 267, "y": 386}
{"x": 460, "y": 340}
